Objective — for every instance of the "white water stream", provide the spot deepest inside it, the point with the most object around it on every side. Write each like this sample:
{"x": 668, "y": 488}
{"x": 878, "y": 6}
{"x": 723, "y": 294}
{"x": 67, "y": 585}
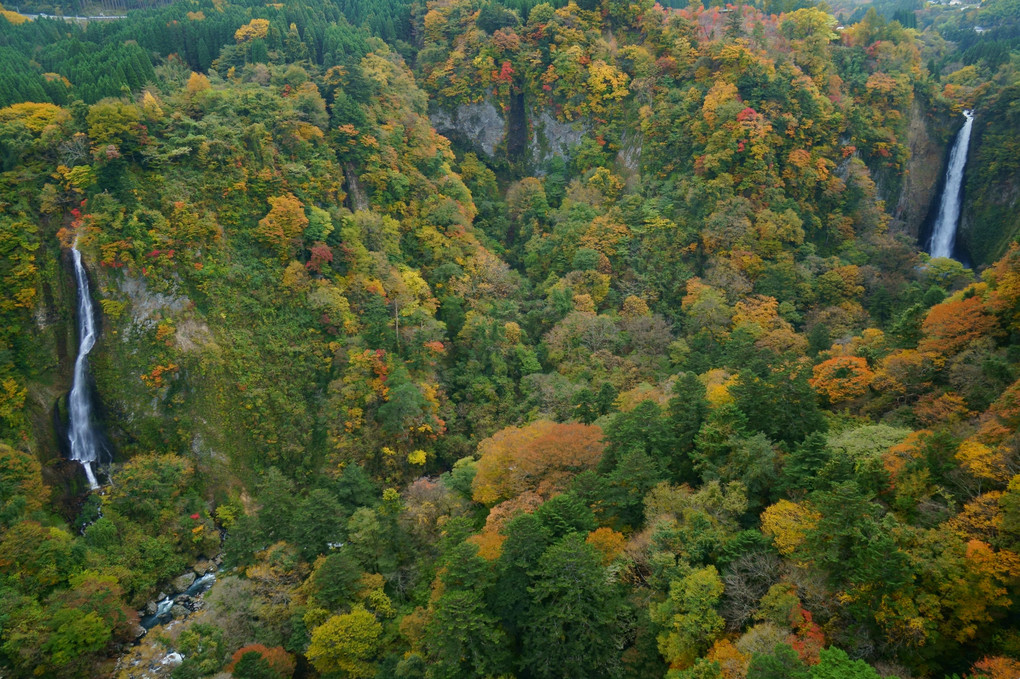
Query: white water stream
{"x": 84, "y": 441}
{"x": 943, "y": 233}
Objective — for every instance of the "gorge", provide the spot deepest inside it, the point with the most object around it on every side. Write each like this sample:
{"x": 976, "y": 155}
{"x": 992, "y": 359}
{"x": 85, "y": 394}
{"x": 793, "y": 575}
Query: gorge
{"x": 516, "y": 339}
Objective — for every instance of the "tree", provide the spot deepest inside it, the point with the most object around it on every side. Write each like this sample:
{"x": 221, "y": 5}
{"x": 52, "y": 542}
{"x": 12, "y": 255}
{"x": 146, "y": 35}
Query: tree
{"x": 76, "y": 635}
{"x": 256, "y": 661}
{"x": 21, "y": 488}
{"x": 687, "y": 411}
{"x": 778, "y": 401}
{"x": 197, "y": 84}
{"x": 996, "y": 668}
{"x": 853, "y": 543}
{"x": 281, "y": 229}
{"x": 565, "y": 514}
{"x": 624, "y": 489}
{"x": 346, "y": 644}
{"x": 788, "y": 523}
{"x": 101, "y": 594}
{"x": 782, "y": 663}
{"x": 252, "y": 665}
{"x": 642, "y": 429}
{"x": 842, "y": 378}
{"x": 949, "y": 327}
{"x": 527, "y": 538}
{"x": 540, "y": 456}
{"x": 147, "y": 488}
{"x": 203, "y": 649}
{"x": 36, "y": 558}
{"x": 114, "y": 122}
{"x": 834, "y": 663}
{"x": 334, "y": 578}
{"x": 253, "y": 30}
{"x": 608, "y": 542}
{"x": 463, "y": 638}
{"x": 802, "y": 465}
{"x": 318, "y": 521}
{"x": 688, "y": 617}
{"x": 572, "y": 626}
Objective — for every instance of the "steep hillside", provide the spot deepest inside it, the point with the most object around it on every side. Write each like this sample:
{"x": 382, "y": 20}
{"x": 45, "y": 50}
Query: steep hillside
{"x": 639, "y": 373}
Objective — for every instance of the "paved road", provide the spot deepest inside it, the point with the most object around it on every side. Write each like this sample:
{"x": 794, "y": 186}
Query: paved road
{"x": 33, "y": 17}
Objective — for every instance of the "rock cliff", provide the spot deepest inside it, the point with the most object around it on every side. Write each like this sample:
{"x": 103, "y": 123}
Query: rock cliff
{"x": 990, "y": 217}
{"x": 483, "y": 128}
{"x": 929, "y": 135}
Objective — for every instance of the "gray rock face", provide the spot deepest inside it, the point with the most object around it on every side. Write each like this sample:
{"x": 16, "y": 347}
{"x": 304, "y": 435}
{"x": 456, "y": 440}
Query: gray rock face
{"x": 182, "y": 582}
{"x": 355, "y": 192}
{"x": 923, "y": 171}
{"x": 151, "y": 608}
{"x": 630, "y": 151}
{"x": 147, "y": 306}
{"x": 481, "y": 125}
{"x": 484, "y": 127}
{"x": 551, "y": 138}
{"x": 203, "y": 567}
{"x": 179, "y": 611}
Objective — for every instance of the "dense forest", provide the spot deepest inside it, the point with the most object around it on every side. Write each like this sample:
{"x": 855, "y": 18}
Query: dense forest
{"x": 506, "y": 339}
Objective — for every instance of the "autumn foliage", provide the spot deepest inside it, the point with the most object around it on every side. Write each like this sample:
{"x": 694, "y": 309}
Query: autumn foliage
{"x": 842, "y": 378}
{"x": 995, "y": 668}
{"x": 277, "y": 658}
{"x": 951, "y": 326}
{"x": 281, "y": 227}
{"x": 541, "y": 457}
{"x": 560, "y": 372}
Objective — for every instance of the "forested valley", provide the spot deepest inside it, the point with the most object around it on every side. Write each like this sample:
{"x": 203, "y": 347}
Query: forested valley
{"x": 498, "y": 339}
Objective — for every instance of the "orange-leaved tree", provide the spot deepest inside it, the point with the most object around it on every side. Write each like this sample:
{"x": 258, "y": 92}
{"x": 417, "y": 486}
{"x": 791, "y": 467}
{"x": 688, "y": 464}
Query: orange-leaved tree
{"x": 541, "y": 456}
{"x": 276, "y": 659}
{"x": 1004, "y": 281}
{"x": 996, "y": 668}
{"x": 952, "y": 325}
{"x": 842, "y": 378}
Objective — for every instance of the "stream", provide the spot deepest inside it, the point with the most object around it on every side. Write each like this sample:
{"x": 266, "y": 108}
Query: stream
{"x": 164, "y": 607}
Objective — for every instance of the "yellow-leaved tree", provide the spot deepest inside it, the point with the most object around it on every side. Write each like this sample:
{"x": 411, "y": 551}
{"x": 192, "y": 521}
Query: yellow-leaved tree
{"x": 253, "y": 30}
{"x": 346, "y": 643}
{"x": 284, "y": 224}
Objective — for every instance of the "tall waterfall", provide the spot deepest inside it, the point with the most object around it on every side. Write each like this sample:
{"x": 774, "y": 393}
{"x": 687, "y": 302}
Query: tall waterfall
{"x": 943, "y": 233}
{"x": 84, "y": 440}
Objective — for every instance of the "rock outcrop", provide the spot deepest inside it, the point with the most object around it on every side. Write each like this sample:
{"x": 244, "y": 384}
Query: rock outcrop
{"x": 479, "y": 126}
{"x": 928, "y": 137}
{"x": 484, "y": 129}
{"x": 990, "y": 217}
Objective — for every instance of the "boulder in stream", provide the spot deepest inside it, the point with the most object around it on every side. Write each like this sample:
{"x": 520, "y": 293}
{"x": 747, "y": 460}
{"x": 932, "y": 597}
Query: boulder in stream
{"x": 182, "y": 582}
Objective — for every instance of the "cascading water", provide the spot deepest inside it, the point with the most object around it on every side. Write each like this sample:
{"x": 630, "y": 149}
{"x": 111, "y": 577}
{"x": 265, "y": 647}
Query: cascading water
{"x": 84, "y": 440}
{"x": 943, "y": 233}
{"x": 164, "y": 607}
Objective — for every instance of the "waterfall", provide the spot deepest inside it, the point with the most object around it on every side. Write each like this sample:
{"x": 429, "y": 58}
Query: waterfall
{"x": 943, "y": 233}
{"x": 83, "y": 437}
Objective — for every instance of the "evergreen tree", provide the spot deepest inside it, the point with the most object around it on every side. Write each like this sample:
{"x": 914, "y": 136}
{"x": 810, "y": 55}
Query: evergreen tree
{"x": 572, "y": 626}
